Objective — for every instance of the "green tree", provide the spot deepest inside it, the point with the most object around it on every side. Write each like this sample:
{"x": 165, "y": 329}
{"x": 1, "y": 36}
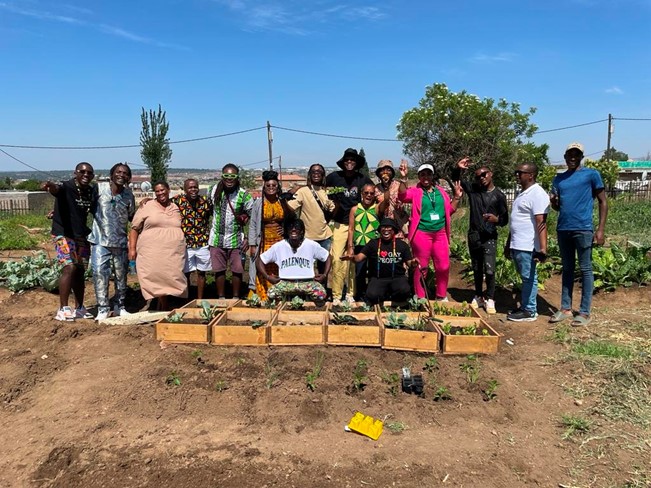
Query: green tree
{"x": 247, "y": 178}
{"x": 614, "y": 155}
{"x": 28, "y": 185}
{"x": 5, "y": 184}
{"x": 155, "y": 146}
{"x": 364, "y": 170}
{"x": 608, "y": 169}
{"x": 446, "y": 126}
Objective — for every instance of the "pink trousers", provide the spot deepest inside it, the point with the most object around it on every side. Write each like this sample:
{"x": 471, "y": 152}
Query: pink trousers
{"x": 435, "y": 246}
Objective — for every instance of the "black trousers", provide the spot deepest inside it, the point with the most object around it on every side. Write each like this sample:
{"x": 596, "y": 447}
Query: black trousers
{"x": 482, "y": 256}
{"x": 395, "y": 289}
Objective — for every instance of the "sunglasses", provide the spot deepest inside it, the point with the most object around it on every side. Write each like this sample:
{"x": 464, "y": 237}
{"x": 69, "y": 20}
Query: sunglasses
{"x": 517, "y": 172}
{"x": 317, "y": 172}
{"x": 85, "y": 172}
{"x": 229, "y": 176}
{"x": 481, "y": 175}
{"x": 368, "y": 193}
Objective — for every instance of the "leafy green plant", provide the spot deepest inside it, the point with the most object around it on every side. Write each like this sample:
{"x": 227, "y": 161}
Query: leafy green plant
{"x": 472, "y": 368}
{"x": 207, "y": 312}
{"x": 366, "y": 307}
{"x": 30, "y": 272}
{"x": 393, "y": 382}
{"x": 573, "y": 425}
{"x": 312, "y": 376}
{"x": 176, "y": 317}
{"x": 254, "y": 301}
{"x": 221, "y": 385}
{"x": 359, "y": 376}
{"x": 272, "y": 374}
{"x": 333, "y": 190}
{"x": 417, "y": 304}
{"x": 255, "y": 324}
{"x": 346, "y": 306}
{"x": 396, "y": 427}
{"x": 395, "y": 321}
{"x": 439, "y": 308}
{"x": 173, "y": 379}
{"x": 431, "y": 364}
{"x": 490, "y": 392}
{"x": 343, "y": 319}
{"x": 297, "y": 303}
{"x": 442, "y": 393}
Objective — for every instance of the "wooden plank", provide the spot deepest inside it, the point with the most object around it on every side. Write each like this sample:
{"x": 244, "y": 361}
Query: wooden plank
{"x": 354, "y": 335}
{"x": 297, "y": 328}
{"x": 475, "y": 344}
{"x": 226, "y": 333}
{"x": 180, "y": 332}
{"x": 428, "y": 340}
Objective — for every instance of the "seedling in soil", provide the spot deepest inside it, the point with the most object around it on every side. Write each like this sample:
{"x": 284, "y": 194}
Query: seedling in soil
{"x": 240, "y": 361}
{"x": 431, "y": 364}
{"x": 366, "y": 308}
{"x": 442, "y": 393}
{"x": 270, "y": 304}
{"x": 221, "y": 385}
{"x": 257, "y": 323}
{"x": 207, "y": 312}
{"x": 297, "y": 303}
{"x": 346, "y": 306}
{"x": 396, "y": 321}
{"x": 197, "y": 354}
{"x": 343, "y": 319}
{"x": 176, "y": 318}
{"x": 272, "y": 375}
{"x": 441, "y": 309}
{"x": 393, "y": 380}
{"x": 574, "y": 424}
{"x": 359, "y": 376}
{"x": 417, "y": 304}
{"x": 173, "y": 379}
{"x": 490, "y": 392}
{"x": 472, "y": 368}
{"x": 561, "y": 334}
{"x": 396, "y": 427}
{"x": 254, "y": 301}
{"x": 312, "y": 376}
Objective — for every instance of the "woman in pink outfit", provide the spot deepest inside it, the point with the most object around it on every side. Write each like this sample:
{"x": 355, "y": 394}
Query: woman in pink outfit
{"x": 429, "y": 226}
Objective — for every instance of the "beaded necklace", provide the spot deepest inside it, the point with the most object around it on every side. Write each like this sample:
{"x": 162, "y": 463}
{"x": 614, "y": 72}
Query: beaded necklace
{"x": 393, "y": 264}
{"x": 84, "y": 197}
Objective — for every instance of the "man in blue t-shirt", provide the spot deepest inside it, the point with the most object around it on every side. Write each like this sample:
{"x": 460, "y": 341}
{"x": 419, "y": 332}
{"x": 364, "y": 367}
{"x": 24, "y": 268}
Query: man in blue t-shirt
{"x": 573, "y": 194}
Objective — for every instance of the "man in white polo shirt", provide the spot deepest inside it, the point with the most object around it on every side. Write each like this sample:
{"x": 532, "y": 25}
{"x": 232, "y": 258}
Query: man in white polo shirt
{"x": 295, "y": 256}
{"x": 527, "y": 241}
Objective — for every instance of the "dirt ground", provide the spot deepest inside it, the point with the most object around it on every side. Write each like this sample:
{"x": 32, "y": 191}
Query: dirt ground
{"x": 93, "y": 406}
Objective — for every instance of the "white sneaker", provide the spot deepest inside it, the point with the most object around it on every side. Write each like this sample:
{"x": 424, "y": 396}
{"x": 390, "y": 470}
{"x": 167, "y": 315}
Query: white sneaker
{"x": 477, "y": 302}
{"x": 336, "y": 302}
{"x": 120, "y": 311}
{"x": 65, "y": 314}
{"x": 350, "y": 299}
{"x": 102, "y": 315}
{"x": 490, "y": 306}
{"x": 442, "y": 300}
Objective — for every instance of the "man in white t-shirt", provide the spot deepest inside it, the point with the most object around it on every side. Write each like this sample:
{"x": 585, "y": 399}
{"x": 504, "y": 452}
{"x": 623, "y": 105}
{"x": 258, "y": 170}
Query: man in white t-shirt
{"x": 295, "y": 256}
{"x": 527, "y": 241}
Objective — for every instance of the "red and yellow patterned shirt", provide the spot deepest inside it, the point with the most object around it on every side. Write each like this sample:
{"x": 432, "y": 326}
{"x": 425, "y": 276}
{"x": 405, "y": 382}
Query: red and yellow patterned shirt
{"x": 195, "y": 219}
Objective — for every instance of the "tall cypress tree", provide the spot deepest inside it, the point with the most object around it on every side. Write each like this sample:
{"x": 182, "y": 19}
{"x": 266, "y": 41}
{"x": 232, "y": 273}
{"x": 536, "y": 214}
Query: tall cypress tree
{"x": 155, "y": 146}
{"x": 364, "y": 170}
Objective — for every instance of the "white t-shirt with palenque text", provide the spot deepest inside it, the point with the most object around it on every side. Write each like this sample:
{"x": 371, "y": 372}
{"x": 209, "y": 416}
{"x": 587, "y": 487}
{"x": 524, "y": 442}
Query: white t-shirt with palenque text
{"x": 294, "y": 265}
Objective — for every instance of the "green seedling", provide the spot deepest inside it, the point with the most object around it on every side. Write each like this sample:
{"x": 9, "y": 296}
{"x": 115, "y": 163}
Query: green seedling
{"x": 297, "y": 303}
{"x": 221, "y": 385}
{"x": 467, "y": 330}
{"x": 472, "y": 368}
{"x": 312, "y": 376}
{"x": 395, "y": 320}
{"x": 431, "y": 364}
{"x": 197, "y": 354}
{"x": 343, "y": 319}
{"x": 573, "y": 425}
{"x": 417, "y": 304}
{"x": 272, "y": 375}
{"x": 346, "y": 306}
{"x": 257, "y": 323}
{"x": 366, "y": 308}
{"x": 447, "y": 328}
{"x": 254, "y": 301}
{"x": 490, "y": 392}
{"x": 207, "y": 312}
{"x": 359, "y": 376}
{"x": 393, "y": 381}
{"x": 239, "y": 361}
{"x": 442, "y": 393}
{"x": 396, "y": 427}
{"x": 176, "y": 318}
{"x": 173, "y": 379}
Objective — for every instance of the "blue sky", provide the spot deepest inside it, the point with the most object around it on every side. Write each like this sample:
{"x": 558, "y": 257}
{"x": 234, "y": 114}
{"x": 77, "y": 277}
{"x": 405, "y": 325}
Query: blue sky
{"x": 76, "y": 73}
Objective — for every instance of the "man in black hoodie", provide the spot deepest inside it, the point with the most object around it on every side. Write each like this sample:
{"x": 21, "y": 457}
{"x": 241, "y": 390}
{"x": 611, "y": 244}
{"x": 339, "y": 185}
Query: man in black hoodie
{"x": 488, "y": 210}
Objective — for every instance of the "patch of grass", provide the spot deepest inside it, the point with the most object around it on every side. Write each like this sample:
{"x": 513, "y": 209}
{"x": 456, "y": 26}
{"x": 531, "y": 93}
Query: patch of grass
{"x": 639, "y": 478}
{"x": 574, "y": 424}
{"x": 396, "y": 427}
{"x": 560, "y": 334}
{"x": 14, "y": 236}
{"x": 625, "y": 395}
{"x": 602, "y": 348}
{"x": 311, "y": 376}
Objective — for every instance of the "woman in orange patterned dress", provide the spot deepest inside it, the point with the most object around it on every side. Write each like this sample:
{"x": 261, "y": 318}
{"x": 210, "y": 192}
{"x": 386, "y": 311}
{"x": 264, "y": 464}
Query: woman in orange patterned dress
{"x": 266, "y": 226}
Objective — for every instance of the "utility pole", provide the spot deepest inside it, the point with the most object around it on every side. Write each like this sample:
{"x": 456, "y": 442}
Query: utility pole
{"x": 610, "y": 132}
{"x": 271, "y": 140}
{"x": 280, "y": 171}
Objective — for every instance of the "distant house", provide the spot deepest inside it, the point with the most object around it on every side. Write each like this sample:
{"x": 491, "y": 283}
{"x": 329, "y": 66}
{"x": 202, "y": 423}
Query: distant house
{"x": 634, "y": 170}
{"x": 287, "y": 181}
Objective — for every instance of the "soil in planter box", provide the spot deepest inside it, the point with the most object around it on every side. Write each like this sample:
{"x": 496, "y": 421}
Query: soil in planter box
{"x": 244, "y": 323}
{"x": 296, "y": 322}
{"x": 367, "y": 323}
{"x": 306, "y": 309}
{"x": 342, "y": 310}
{"x": 189, "y": 321}
{"x": 459, "y": 331}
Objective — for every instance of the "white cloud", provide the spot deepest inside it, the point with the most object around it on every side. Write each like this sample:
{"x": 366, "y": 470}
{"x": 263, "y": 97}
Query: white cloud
{"x": 503, "y": 57}
{"x": 40, "y": 14}
{"x": 614, "y": 90}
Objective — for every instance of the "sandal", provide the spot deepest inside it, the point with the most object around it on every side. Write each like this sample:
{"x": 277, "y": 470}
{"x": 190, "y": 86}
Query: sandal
{"x": 580, "y": 321}
{"x": 559, "y": 316}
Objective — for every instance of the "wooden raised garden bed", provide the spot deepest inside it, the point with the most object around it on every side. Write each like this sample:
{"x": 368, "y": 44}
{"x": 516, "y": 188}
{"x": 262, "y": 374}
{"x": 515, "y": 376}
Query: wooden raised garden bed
{"x": 223, "y": 304}
{"x": 445, "y": 310}
{"x": 238, "y": 327}
{"x": 191, "y": 328}
{"x": 410, "y": 331}
{"x": 297, "y": 328}
{"x": 467, "y": 335}
{"x": 362, "y": 330}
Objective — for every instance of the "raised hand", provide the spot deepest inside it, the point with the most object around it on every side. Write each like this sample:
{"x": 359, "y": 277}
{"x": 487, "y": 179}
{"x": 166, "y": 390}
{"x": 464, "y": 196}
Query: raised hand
{"x": 403, "y": 169}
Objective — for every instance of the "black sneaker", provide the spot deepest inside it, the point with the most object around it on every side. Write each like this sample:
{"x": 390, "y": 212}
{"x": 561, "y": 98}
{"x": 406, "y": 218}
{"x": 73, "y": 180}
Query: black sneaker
{"x": 522, "y": 316}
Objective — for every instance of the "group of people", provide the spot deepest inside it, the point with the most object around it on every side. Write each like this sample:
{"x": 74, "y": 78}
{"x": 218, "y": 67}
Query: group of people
{"x": 368, "y": 241}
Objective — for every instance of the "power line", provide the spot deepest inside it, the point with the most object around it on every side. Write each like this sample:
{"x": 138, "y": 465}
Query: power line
{"x": 585, "y": 155}
{"x": 335, "y": 135}
{"x": 28, "y": 165}
{"x": 622, "y": 118}
{"x": 570, "y": 126}
{"x": 126, "y": 146}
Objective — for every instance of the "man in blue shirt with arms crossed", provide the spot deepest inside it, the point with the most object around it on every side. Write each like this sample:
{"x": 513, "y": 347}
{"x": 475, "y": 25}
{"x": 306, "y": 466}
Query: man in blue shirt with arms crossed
{"x": 573, "y": 194}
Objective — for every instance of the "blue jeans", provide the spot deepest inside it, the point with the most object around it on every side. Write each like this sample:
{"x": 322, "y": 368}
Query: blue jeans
{"x": 526, "y": 268}
{"x": 573, "y": 243}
